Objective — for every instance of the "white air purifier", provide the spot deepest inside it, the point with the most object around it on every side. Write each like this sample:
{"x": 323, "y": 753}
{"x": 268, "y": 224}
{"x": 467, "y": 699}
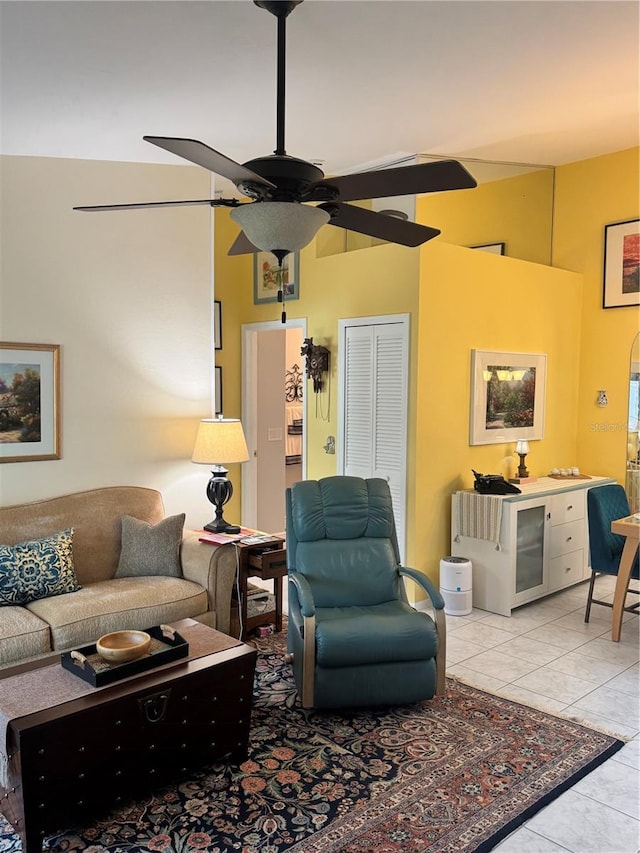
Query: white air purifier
{"x": 456, "y": 585}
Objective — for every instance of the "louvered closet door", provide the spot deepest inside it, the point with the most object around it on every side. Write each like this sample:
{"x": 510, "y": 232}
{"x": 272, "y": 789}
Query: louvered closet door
{"x": 373, "y": 410}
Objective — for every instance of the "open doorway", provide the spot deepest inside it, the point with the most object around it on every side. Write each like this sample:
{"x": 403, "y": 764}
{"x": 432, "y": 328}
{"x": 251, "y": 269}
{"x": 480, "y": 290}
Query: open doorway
{"x": 273, "y": 415}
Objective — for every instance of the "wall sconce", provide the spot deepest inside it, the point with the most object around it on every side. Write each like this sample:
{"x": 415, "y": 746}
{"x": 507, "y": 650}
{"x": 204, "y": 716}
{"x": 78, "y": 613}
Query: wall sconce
{"x": 602, "y": 398}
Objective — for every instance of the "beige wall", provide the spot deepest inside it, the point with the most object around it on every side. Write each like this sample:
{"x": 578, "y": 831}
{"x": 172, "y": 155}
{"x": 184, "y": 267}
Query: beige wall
{"x": 127, "y": 296}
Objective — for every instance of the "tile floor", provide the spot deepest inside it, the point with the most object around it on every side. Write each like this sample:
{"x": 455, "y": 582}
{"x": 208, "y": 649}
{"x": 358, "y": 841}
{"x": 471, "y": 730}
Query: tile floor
{"x": 545, "y": 656}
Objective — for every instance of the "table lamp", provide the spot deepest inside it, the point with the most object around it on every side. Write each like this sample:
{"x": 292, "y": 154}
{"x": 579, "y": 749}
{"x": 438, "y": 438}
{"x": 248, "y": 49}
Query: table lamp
{"x": 522, "y": 448}
{"x": 220, "y": 441}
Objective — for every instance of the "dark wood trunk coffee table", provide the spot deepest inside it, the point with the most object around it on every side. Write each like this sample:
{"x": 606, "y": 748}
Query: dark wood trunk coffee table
{"x": 82, "y": 757}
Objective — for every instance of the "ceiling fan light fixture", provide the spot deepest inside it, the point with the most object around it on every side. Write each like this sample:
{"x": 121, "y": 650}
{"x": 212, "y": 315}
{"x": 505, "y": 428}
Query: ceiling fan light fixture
{"x": 279, "y": 225}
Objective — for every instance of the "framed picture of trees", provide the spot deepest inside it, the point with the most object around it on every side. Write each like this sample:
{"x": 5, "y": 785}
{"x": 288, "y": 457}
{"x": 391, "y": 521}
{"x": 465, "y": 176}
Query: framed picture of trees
{"x": 29, "y": 402}
{"x": 507, "y": 396}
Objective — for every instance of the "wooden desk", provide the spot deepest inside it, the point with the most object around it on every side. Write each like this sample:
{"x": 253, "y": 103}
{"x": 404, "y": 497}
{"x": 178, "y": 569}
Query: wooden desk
{"x": 629, "y": 527}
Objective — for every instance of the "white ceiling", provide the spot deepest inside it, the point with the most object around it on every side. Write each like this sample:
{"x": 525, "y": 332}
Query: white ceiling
{"x": 368, "y": 81}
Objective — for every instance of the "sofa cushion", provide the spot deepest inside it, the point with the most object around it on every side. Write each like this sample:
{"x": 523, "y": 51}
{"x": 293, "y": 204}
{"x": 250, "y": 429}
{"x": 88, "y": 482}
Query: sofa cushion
{"x": 22, "y": 635}
{"x": 98, "y": 608}
{"x": 150, "y": 549}
{"x": 95, "y": 516}
{"x": 37, "y": 569}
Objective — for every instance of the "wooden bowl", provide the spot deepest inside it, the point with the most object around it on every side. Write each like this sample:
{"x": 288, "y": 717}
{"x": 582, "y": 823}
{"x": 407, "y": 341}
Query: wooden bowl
{"x": 122, "y": 646}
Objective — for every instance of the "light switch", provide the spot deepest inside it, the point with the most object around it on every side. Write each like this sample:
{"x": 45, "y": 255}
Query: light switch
{"x": 274, "y": 434}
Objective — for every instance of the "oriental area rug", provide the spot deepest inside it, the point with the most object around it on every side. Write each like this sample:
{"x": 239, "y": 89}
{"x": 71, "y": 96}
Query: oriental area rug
{"x": 452, "y": 775}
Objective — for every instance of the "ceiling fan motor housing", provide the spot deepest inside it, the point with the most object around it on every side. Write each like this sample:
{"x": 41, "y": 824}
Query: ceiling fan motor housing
{"x": 292, "y": 177}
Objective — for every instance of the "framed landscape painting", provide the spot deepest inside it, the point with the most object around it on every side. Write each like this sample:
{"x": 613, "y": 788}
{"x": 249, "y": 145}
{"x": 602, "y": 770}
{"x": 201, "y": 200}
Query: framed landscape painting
{"x": 29, "y": 402}
{"x": 266, "y": 275}
{"x": 507, "y": 396}
{"x": 621, "y": 285}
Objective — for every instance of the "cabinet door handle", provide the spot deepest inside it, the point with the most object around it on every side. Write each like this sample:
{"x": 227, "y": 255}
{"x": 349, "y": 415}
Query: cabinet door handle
{"x": 569, "y": 538}
{"x": 568, "y": 569}
{"x": 570, "y": 507}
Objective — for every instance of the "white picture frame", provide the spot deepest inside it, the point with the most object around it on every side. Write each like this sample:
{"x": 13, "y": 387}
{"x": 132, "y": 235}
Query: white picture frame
{"x": 507, "y": 396}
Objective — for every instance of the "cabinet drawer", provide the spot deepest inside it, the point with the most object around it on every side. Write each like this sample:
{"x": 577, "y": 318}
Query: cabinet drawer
{"x": 566, "y": 569}
{"x": 566, "y": 537}
{"x": 567, "y": 507}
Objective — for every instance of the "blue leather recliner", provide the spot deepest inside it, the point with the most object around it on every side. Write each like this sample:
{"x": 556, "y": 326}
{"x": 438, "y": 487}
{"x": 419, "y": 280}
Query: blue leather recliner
{"x": 354, "y": 638}
{"x": 604, "y": 505}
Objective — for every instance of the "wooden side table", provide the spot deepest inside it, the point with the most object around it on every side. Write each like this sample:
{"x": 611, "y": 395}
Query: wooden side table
{"x": 267, "y": 561}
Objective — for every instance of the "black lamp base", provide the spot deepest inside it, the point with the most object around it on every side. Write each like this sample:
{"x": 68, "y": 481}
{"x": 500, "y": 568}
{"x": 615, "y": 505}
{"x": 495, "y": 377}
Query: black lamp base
{"x": 219, "y": 490}
{"x": 219, "y": 525}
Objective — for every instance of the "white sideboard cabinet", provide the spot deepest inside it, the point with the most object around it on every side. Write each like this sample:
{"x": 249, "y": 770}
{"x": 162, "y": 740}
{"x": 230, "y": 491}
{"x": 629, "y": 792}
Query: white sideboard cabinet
{"x": 543, "y": 544}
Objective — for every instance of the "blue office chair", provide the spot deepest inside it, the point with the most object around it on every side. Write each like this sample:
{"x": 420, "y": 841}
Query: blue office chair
{"x": 354, "y": 637}
{"x": 604, "y": 505}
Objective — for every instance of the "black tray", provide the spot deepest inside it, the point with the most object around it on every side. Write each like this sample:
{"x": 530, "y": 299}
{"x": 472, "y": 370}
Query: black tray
{"x": 86, "y": 663}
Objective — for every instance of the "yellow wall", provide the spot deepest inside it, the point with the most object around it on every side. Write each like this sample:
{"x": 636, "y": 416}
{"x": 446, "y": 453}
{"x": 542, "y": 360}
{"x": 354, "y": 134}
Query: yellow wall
{"x": 515, "y": 211}
{"x": 460, "y": 299}
{"x": 471, "y": 300}
{"x": 589, "y": 195}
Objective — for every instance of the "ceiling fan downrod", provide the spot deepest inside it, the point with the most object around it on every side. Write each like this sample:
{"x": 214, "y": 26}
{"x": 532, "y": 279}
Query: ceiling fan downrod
{"x": 281, "y": 9}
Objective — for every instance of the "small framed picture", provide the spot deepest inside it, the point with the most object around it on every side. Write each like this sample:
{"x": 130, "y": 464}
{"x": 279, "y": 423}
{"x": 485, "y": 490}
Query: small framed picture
{"x": 621, "y": 264}
{"x": 29, "y": 402}
{"x": 218, "y": 391}
{"x": 266, "y": 277}
{"x": 494, "y": 248}
{"x": 217, "y": 324}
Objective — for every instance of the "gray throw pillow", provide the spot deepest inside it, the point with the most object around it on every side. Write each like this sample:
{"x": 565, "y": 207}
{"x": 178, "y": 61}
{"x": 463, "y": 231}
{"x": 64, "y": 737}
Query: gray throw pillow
{"x": 149, "y": 549}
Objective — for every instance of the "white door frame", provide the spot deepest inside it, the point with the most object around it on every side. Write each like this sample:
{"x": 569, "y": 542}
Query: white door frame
{"x": 250, "y": 331}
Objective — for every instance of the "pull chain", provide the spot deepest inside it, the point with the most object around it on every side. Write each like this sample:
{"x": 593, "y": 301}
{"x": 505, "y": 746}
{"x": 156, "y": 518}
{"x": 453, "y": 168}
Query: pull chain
{"x": 281, "y": 291}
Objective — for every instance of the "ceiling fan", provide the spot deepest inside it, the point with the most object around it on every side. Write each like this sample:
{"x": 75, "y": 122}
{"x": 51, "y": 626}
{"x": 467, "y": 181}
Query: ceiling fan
{"x": 278, "y": 218}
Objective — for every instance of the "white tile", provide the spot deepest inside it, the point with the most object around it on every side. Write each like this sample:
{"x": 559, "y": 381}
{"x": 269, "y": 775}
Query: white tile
{"x": 575, "y": 622}
{"x": 600, "y": 722}
{"x": 627, "y": 682}
{"x": 591, "y": 669}
{"x": 476, "y": 679}
{"x": 629, "y": 754}
{"x": 523, "y": 840}
{"x": 526, "y": 648}
{"x": 555, "y": 685}
{"x": 484, "y": 636}
{"x": 555, "y": 636}
{"x": 459, "y": 650}
{"x": 495, "y": 663}
{"x": 579, "y": 824}
{"x": 605, "y": 649}
{"x": 518, "y": 623}
{"x": 614, "y": 784}
{"x": 544, "y": 610}
{"x": 613, "y": 704}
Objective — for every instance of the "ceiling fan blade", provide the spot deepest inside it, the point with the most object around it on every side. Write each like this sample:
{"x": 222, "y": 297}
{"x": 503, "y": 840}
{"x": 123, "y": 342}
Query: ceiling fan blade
{"x": 210, "y": 202}
{"x": 242, "y": 246}
{"x": 202, "y": 155}
{"x": 380, "y": 225}
{"x": 404, "y": 180}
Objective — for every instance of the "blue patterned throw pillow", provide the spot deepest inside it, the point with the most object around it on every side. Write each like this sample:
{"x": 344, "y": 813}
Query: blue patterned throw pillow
{"x": 37, "y": 569}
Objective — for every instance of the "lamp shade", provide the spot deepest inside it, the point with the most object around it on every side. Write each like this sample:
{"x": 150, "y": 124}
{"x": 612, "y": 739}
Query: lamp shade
{"x": 279, "y": 225}
{"x": 220, "y": 440}
{"x": 522, "y": 446}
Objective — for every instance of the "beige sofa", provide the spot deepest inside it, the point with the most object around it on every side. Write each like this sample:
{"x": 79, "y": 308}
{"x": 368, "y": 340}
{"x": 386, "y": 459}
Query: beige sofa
{"x": 104, "y": 602}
